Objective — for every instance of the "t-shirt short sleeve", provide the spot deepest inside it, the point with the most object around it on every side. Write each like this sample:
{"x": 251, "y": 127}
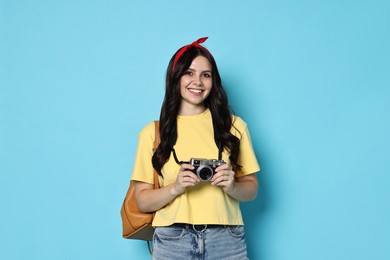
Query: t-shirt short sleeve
{"x": 247, "y": 157}
{"x": 143, "y": 168}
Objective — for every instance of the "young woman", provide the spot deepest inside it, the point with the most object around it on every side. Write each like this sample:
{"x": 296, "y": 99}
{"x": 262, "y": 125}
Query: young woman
{"x": 197, "y": 206}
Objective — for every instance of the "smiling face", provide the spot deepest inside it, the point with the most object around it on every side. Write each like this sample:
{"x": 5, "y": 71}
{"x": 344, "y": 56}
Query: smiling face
{"x": 195, "y": 86}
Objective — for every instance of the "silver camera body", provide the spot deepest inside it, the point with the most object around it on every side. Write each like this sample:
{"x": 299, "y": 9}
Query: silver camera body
{"x": 204, "y": 168}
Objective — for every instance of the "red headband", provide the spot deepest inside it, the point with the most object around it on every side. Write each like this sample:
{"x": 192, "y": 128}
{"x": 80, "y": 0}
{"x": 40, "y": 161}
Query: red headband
{"x": 185, "y": 48}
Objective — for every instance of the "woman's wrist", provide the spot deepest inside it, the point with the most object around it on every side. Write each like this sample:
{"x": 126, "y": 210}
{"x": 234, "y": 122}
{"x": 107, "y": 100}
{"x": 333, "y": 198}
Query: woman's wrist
{"x": 232, "y": 190}
{"x": 173, "y": 191}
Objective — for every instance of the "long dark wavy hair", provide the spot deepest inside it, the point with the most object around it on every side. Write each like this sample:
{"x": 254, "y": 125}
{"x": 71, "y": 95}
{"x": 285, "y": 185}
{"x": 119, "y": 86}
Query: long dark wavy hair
{"x": 217, "y": 102}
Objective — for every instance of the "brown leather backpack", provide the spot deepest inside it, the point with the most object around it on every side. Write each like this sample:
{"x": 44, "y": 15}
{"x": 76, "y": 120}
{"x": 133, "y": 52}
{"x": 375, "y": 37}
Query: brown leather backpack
{"x": 136, "y": 224}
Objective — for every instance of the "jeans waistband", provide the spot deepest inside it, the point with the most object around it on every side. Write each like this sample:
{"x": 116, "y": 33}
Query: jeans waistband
{"x": 199, "y": 228}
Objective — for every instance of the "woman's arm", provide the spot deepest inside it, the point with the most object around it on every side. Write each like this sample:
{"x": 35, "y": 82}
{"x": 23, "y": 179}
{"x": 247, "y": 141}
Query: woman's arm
{"x": 150, "y": 199}
{"x": 245, "y": 188}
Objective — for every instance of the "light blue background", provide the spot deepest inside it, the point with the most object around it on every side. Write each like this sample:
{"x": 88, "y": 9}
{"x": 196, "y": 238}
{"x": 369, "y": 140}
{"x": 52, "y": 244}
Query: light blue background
{"x": 79, "y": 79}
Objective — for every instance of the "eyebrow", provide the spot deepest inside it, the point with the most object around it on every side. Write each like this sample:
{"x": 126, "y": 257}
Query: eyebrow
{"x": 210, "y": 71}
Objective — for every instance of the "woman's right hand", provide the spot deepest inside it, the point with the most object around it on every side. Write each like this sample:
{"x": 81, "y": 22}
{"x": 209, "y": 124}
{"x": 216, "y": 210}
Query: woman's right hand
{"x": 150, "y": 199}
{"x": 185, "y": 178}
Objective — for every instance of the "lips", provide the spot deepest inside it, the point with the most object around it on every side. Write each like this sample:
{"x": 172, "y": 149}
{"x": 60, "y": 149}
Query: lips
{"x": 196, "y": 91}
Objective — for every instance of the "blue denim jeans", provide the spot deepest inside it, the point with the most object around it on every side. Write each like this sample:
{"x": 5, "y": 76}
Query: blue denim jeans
{"x": 184, "y": 243}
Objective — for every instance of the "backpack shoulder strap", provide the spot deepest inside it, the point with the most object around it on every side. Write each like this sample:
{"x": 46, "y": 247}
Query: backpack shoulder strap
{"x": 155, "y": 145}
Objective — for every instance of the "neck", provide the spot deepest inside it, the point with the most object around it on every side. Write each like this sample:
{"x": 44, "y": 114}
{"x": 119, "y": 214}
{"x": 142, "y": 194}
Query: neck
{"x": 191, "y": 110}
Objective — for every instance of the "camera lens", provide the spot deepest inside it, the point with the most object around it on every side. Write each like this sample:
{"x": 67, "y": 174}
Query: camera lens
{"x": 205, "y": 173}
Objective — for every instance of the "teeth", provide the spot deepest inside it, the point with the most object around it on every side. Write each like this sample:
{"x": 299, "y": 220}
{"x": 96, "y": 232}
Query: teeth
{"x": 195, "y": 90}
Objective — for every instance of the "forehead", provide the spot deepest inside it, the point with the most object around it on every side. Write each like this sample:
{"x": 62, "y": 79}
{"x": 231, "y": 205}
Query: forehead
{"x": 200, "y": 63}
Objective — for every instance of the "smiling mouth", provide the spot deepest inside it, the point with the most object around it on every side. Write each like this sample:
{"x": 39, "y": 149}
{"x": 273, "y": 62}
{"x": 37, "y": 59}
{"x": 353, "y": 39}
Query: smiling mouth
{"x": 197, "y": 91}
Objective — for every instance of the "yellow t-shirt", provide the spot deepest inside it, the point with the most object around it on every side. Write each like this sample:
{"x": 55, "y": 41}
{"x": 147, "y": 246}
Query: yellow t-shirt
{"x": 203, "y": 203}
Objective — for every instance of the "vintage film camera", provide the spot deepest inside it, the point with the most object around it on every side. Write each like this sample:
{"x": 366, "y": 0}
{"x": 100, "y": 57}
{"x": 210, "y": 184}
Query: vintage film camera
{"x": 204, "y": 168}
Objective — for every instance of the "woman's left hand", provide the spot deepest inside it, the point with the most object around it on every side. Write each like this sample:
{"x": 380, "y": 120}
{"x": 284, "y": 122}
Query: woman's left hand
{"x": 224, "y": 177}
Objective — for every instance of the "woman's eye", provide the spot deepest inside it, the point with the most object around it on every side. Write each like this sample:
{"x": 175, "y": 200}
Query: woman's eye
{"x": 207, "y": 75}
{"x": 189, "y": 73}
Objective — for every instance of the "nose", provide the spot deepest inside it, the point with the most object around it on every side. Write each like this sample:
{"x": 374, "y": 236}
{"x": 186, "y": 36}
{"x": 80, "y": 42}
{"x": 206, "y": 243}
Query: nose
{"x": 197, "y": 80}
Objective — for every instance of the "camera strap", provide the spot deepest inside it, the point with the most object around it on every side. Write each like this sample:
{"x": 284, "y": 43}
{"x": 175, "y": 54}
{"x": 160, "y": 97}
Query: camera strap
{"x": 175, "y": 156}
{"x": 217, "y": 139}
{"x": 181, "y": 162}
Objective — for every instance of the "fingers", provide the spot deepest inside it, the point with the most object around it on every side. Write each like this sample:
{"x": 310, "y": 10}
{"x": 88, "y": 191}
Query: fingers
{"x": 186, "y": 177}
{"x": 185, "y": 172}
{"x": 222, "y": 180}
{"x": 224, "y": 176}
{"x": 185, "y": 167}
